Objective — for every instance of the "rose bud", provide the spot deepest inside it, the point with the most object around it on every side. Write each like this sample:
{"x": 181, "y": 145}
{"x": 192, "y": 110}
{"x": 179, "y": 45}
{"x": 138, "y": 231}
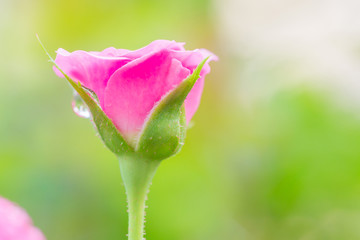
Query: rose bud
{"x": 140, "y": 103}
{"x": 15, "y": 224}
{"x": 141, "y": 92}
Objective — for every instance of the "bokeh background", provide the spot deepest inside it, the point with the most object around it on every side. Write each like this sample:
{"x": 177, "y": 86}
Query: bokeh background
{"x": 274, "y": 153}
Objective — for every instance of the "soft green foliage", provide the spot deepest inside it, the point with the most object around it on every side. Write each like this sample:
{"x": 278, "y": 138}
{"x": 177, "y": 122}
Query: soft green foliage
{"x": 164, "y": 131}
{"x": 255, "y": 166}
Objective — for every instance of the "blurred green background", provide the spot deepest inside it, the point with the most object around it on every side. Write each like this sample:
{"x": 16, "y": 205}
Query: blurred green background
{"x": 275, "y": 148}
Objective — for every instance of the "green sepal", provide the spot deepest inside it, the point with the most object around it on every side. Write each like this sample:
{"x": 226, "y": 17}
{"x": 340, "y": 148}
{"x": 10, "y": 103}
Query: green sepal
{"x": 164, "y": 131}
{"x": 106, "y": 129}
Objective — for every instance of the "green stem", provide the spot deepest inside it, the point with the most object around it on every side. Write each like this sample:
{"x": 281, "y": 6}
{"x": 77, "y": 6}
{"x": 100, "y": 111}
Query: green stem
{"x": 137, "y": 175}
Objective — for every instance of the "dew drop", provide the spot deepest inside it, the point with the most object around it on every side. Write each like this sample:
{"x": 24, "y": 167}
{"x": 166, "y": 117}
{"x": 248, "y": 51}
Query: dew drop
{"x": 80, "y": 107}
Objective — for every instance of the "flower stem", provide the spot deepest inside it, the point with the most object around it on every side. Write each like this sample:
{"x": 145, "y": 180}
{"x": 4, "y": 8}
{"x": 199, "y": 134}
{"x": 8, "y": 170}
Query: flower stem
{"x": 137, "y": 175}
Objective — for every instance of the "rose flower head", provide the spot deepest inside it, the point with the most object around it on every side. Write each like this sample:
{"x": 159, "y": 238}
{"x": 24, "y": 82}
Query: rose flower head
{"x": 148, "y": 96}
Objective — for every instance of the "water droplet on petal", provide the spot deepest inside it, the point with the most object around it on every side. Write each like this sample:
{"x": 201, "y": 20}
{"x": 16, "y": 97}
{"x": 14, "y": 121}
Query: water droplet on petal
{"x": 92, "y": 94}
{"x": 80, "y": 107}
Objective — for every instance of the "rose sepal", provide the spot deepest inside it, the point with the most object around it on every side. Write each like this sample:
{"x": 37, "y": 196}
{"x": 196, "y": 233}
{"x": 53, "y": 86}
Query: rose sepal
{"x": 164, "y": 130}
{"x": 111, "y": 137}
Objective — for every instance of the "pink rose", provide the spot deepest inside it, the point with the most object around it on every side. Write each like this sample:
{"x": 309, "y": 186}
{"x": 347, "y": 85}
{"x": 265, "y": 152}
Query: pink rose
{"x": 128, "y": 84}
{"x": 15, "y": 224}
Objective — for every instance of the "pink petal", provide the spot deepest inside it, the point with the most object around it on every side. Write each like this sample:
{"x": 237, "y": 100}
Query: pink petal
{"x": 93, "y": 71}
{"x": 13, "y": 215}
{"x": 111, "y": 52}
{"x": 15, "y": 224}
{"x": 192, "y": 101}
{"x": 134, "y": 89}
{"x": 155, "y": 46}
{"x": 190, "y": 60}
{"x": 33, "y": 234}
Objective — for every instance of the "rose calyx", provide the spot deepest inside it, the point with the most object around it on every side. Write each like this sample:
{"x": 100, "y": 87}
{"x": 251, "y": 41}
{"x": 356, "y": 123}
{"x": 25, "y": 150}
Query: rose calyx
{"x": 164, "y": 130}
